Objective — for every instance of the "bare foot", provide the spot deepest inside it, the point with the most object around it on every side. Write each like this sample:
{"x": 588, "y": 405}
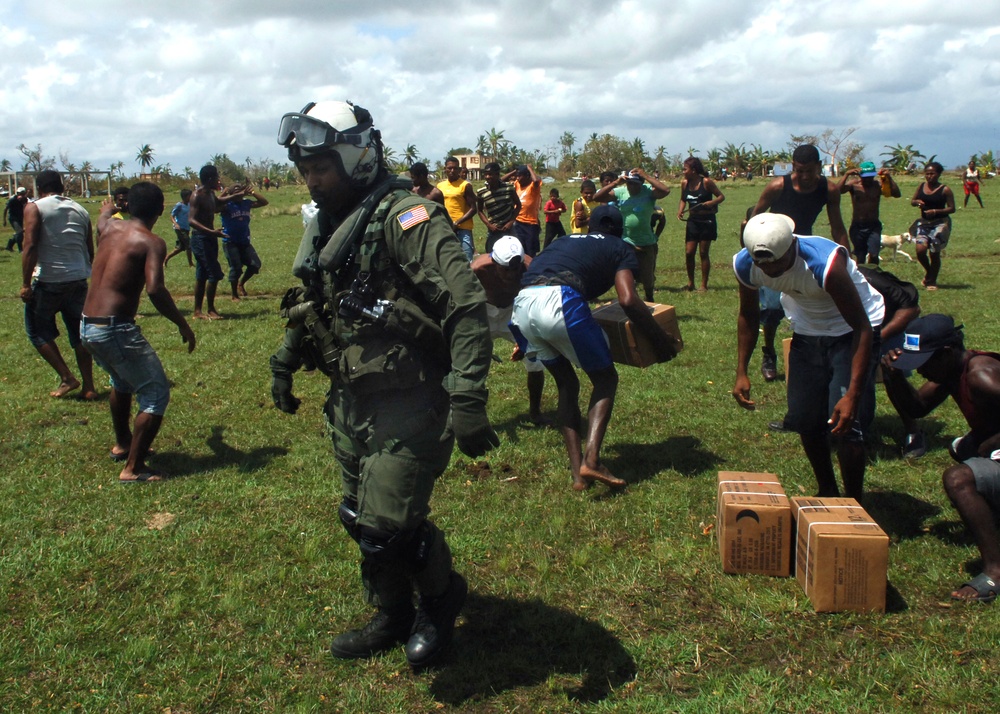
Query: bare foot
{"x": 213, "y": 315}
{"x": 540, "y": 420}
{"x": 199, "y": 315}
{"x": 89, "y": 395}
{"x": 236, "y": 298}
{"x": 65, "y": 388}
{"x": 703, "y": 289}
{"x": 243, "y": 291}
{"x": 689, "y": 287}
{"x": 601, "y": 474}
{"x": 143, "y": 476}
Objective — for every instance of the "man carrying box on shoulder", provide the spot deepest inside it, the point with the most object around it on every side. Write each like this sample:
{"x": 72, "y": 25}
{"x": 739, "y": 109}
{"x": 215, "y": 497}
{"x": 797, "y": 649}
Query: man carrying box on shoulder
{"x": 552, "y": 323}
{"x": 935, "y": 348}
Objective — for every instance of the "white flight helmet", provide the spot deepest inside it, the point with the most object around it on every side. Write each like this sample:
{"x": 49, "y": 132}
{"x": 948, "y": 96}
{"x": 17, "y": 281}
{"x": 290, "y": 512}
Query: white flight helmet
{"x": 340, "y": 128}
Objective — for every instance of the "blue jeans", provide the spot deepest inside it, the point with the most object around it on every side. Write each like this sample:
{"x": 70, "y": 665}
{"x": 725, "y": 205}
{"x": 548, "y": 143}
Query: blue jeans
{"x": 465, "y": 238}
{"x": 122, "y": 351}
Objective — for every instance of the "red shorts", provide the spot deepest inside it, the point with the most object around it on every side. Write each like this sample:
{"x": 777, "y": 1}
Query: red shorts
{"x": 971, "y": 187}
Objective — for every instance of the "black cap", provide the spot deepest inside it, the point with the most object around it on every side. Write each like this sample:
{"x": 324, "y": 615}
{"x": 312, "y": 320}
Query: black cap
{"x": 925, "y": 336}
{"x": 610, "y": 216}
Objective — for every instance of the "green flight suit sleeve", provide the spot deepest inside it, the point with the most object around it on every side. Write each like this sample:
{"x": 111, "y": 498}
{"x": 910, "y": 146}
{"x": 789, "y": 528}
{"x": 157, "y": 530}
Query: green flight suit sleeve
{"x": 432, "y": 258}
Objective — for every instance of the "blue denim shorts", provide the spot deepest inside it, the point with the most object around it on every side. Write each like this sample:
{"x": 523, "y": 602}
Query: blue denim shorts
{"x": 123, "y": 352}
{"x": 48, "y": 300}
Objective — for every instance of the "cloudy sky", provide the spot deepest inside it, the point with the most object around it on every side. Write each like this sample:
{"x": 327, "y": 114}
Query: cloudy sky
{"x": 97, "y": 80}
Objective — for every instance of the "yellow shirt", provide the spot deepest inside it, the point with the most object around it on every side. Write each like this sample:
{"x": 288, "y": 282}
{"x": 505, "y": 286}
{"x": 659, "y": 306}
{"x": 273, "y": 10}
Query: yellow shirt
{"x": 588, "y": 206}
{"x": 454, "y": 201}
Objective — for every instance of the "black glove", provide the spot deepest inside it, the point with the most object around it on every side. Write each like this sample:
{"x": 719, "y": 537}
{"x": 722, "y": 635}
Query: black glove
{"x": 281, "y": 387}
{"x": 472, "y": 427}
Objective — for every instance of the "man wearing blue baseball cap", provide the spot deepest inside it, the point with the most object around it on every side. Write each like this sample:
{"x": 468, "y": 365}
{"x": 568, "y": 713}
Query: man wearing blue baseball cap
{"x": 935, "y": 347}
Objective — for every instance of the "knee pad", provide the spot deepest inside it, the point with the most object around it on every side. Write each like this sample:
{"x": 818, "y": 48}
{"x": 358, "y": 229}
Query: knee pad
{"x": 414, "y": 548}
{"x": 348, "y": 513}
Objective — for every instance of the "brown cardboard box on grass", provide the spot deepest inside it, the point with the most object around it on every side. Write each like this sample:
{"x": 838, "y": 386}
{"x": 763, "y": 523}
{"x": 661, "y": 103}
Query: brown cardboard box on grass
{"x": 754, "y": 524}
{"x": 628, "y": 345}
{"x": 841, "y": 555}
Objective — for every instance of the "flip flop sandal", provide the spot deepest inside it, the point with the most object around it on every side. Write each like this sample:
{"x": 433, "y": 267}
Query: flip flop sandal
{"x": 986, "y": 589}
{"x": 118, "y": 458}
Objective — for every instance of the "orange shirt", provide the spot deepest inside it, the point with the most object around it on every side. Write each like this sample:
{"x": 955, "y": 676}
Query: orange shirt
{"x": 531, "y": 199}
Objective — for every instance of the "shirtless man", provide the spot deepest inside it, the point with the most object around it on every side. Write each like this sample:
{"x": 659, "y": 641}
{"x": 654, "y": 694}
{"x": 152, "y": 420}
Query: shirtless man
{"x": 205, "y": 239}
{"x": 500, "y": 272}
{"x": 866, "y": 193}
{"x": 421, "y": 186}
{"x": 935, "y": 347}
{"x": 128, "y": 258}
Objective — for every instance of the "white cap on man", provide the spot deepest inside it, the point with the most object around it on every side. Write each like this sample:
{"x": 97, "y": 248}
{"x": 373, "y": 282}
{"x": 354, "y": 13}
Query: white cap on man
{"x": 768, "y": 236}
{"x": 506, "y": 249}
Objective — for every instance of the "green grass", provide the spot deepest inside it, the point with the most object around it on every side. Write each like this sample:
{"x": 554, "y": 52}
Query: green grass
{"x": 590, "y": 602}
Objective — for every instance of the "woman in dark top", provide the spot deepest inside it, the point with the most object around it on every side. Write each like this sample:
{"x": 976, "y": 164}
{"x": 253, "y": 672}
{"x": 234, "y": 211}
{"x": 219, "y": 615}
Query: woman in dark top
{"x": 933, "y": 229}
{"x": 700, "y": 197}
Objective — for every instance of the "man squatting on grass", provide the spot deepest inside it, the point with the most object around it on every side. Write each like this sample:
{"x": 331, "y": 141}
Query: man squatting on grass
{"x": 552, "y": 323}
{"x": 835, "y": 317}
{"x": 935, "y": 348}
{"x": 400, "y": 323}
{"x": 129, "y": 257}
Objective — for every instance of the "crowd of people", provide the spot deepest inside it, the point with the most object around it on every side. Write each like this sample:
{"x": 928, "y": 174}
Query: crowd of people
{"x": 392, "y": 303}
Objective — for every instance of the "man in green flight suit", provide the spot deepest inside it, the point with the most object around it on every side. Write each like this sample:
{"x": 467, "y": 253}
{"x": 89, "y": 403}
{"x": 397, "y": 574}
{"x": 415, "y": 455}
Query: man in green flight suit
{"x": 391, "y": 312}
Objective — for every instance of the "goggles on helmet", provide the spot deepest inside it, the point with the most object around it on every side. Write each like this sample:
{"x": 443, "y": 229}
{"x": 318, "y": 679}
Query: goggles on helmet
{"x": 309, "y": 133}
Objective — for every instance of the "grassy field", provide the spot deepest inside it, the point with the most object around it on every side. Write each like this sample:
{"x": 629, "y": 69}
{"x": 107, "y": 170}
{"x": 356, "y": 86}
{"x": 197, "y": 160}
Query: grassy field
{"x": 221, "y": 589}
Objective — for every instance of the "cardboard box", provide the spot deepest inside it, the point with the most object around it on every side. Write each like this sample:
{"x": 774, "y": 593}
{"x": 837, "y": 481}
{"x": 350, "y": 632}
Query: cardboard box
{"x": 628, "y": 345}
{"x": 841, "y": 555}
{"x": 754, "y": 524}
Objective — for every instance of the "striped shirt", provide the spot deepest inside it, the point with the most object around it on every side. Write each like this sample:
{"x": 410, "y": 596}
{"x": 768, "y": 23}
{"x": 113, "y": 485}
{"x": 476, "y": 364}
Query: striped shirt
{"x": 498, "y": 205}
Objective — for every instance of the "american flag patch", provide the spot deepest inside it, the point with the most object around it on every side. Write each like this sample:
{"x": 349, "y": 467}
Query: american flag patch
{"x": 412, "y": 217}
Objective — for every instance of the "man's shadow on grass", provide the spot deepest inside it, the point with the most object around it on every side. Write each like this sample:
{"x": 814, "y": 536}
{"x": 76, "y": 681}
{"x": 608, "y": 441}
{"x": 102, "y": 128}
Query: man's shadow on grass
{"x": 505, "y": 644}
{"x": 179, "y": 464}
{"x": 640, "y": 462}
{"x": 901, "y": 515}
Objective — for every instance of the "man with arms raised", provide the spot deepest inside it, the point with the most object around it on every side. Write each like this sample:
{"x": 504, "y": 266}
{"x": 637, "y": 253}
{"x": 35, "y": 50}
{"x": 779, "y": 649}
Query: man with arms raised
{"x": 552, "y": 323}
{"x": 834, "y": 348}
{"x": 935, "y": 348}
{"x": 866, "y": 195}
{"x": 131, "y": 257}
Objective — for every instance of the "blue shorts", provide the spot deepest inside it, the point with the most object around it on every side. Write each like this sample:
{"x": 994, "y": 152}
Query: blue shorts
{"x": 553, "y": 321}
{"x": 866, "y": 239}
{"x": 183, "y": 238}
{"x": 239, "y": 257}
{"x": 122, "y": 351}
{"x": 205, "y": 250}
{"x": 48, "y": 299}
{"x": 819, "y": 373}
{"x": 465, "y": 238}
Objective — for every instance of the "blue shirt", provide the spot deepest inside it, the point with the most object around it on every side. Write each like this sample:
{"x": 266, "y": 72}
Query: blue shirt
{"x": 236, "y": 222}
{"x": 587, "y": 263}
{"x": 180, "y": 214}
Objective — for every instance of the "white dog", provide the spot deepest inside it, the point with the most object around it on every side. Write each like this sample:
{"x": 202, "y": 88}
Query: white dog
{"x": 896, "y": 243}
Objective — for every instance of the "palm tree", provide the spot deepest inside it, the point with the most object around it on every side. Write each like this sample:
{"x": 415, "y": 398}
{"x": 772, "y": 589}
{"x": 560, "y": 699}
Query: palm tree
{"x": 5, "y": 165}
{"x": 145, "y": 157}
{"x": 411, "y": 155}
{"x": 389, "y": 158}
{"x": 495, "y": 140}
{"x": 85, "y": 168}
{"x": 900, "y": 157}
{"x": 566, "y": 141}
{"x": 714, "y": 158}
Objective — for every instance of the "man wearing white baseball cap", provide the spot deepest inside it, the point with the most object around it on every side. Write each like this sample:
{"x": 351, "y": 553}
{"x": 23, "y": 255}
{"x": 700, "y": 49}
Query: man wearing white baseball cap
{"x": 835, "y": 316}
{"x": 500, "y": 271}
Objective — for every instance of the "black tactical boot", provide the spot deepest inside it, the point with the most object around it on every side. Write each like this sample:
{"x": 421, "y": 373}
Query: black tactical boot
{"x": 383, "y": 632}
{"x": 435, "y": 623}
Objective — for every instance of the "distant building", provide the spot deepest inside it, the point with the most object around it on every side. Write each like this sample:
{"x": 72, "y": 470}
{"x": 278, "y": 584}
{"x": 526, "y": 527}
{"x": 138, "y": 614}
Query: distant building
{"x": 474, "y": 164}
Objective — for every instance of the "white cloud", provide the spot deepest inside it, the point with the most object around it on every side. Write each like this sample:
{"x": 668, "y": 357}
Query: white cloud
{"x": 99, "y": 81}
